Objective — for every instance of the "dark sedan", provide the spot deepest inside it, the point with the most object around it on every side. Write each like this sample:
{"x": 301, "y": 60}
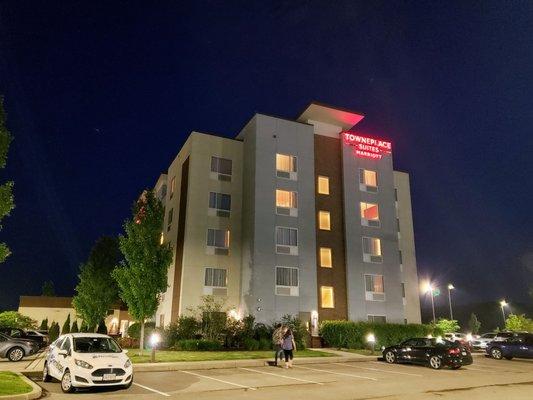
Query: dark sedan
{"x": 520, "y": 346}
{"x": 17, "y": 333}
{"x": 434, "y": 352}
{"x": 16, "y": 349}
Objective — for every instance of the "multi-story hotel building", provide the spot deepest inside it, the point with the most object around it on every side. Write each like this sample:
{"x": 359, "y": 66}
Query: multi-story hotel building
{"x": 303, "y": 217}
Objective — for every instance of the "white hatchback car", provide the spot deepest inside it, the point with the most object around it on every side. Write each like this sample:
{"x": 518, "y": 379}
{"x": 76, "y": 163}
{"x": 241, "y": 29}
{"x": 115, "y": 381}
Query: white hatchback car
{"x": 87, "y": 360}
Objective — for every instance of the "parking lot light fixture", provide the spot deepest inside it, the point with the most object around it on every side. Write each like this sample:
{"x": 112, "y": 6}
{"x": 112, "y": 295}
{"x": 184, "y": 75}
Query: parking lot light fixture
{"x": 371, "y": 340}
{"x": 503, "y": 304}
{"x": 428, "y": 288}
{"x": 155, "y": 338}
{"x": 450, "y": 288}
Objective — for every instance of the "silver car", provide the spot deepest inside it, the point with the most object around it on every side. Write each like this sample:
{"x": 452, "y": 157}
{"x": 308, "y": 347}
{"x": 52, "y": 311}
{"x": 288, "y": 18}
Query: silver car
{"x": 16, "y": 349}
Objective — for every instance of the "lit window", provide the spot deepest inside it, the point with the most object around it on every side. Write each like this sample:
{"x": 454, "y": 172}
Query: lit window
{"x": 220, "y": 201}
{"x": 377, "y": 319}
{"x": 326, "y": 297}
{"x": 286, "y": 199}
{"x": 218, "y": 238}
{"x": 215, "y": 277}
{"x": 172, "y": 186}
{"x": 221, "y": 166}
{"x": 325, "y": 257}
{"x": 372, "y": 247}
{"x": 323, "y": 185}
{"x": 324, "y": 220}
{"x": 368, "y": 177}
{"x": 286, "y": 236}
{"x": 369, "y": 211}
{"x": 374, "y": 283}
{"x": 286, "y": 276}
{"x": 162, "y": 238}
{"x": 285, "y": 163}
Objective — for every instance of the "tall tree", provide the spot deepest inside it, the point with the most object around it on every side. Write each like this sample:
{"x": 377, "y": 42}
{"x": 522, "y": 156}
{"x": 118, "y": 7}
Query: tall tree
{"x": 48, "y": 289}
{"x": 473, "y": 324}
{"x": 97, "y": 290}
{"x": 7, "y": 203}
{"x": 142, "y": 276}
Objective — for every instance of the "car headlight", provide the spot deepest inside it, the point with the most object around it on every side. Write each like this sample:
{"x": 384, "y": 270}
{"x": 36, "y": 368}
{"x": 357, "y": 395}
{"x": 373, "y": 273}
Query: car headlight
{"x": 127, "y": 364}
{"x": 83, "y": 364}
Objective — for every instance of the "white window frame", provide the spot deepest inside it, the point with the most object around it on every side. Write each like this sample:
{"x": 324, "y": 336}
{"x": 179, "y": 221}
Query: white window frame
{"x": 371, "y": 295}
{"x": 332, "y": 297}
{"x": 219, "y": 176}
{"x": 292, "y": 175}
{"x": 368, "y": 188}
{"x": 293, "y": 291}
{"x": 329, "y": 220}
{"x": 286, "y": 211}
{"x": 318, "y": 185}
{"x": 371, "y": 258}
{"x": 320, "y": 257}
{"x": 218, "y": 250}
{"x": 291, "y": 250}
{"x": 373, "y": 223}
{"x": 373, "y": 318}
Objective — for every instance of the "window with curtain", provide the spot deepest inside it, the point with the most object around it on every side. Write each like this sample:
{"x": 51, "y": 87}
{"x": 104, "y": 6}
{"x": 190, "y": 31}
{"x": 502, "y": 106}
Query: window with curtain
{"x": 286, "y": 199}
{"x": 286, "y": 236}
{"x": 218, "y": 238}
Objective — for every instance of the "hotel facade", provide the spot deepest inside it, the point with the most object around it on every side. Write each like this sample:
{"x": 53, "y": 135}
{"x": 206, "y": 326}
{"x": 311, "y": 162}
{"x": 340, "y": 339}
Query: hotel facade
{"x": 303, "y": 217}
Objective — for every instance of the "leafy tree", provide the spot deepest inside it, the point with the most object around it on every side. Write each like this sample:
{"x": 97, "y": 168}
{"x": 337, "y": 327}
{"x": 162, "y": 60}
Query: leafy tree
{"x": 213, "y": 316}
{"x": 74, "y": 327}
{"x": 518, "y": 323}
{"x": 44, "y": 325}
{"x": 84, "y": 327}
{"x": 13, "y": 319}
{"x": 48, "y": 289}
{"x": 142, "y": 276}
{"x": 7, "y": 202}
{"x": 447, "y": 325}
{"x": 53, "y": 333}
{"x": 474, "y": 324}
{"x": 66, "y": 326}
{"x": 97, "y": 290}
{"x": 101, "y": 327}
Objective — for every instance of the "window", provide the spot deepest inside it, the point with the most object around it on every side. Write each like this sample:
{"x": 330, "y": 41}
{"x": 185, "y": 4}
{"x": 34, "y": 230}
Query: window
{"x": 169, "y": 221}
{"x": 403, "y": 290}
{"x": 286, "y": 166}
{"x": 215, "y": 277}
{"x": 286, "y": 276}
{"x": 218, "y": 238}
{"x": 325, "y": 257}
{"x": 323, "y": 185}
{"x": 66, "y": 345}
{"x": 374, "y": 283}
{"x": 326, "y": 297}
{"x": 221, "y": 167}
{"x": 377, "y": 319}
{"x": 369, "y": 214}
{"x": 324, "y": 220}
{"x": 400, "y": 255}
{"x": 286, "y": 199}
{"x": 372, "y": 250}
{"x": 286, "y": 236}
{"x": 172, "y": 186}
{"x": 368, "y": 177}
{"x": 220, "y": 201}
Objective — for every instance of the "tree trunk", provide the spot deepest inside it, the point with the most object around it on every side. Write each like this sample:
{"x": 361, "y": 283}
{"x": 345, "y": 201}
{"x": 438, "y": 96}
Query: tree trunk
{"x": 141, "y": 339}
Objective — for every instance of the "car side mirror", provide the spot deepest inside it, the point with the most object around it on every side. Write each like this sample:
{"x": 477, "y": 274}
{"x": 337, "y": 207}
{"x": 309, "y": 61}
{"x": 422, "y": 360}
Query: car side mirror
{"x": 63, "y": 353}
{"x": 125, "y": 351}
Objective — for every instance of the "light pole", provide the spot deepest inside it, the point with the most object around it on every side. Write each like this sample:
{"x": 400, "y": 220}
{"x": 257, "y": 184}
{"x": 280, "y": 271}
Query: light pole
{"x": 503, "y": 304}
{"x": 429, "y": 288}
{"x": 450, "y": 288}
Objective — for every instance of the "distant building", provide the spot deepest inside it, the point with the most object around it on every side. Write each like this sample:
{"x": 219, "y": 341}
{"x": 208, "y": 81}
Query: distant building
{"x": 59, "y": 308}
{"x": 304, "y": 217}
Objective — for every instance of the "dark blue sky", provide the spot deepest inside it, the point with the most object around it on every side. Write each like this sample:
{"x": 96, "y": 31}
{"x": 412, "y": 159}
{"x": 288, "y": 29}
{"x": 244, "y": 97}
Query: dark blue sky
{"x": 101, "y": 95}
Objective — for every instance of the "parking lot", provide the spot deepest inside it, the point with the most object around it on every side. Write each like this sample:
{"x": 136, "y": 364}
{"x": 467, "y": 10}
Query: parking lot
{"x": 485, "y": 379}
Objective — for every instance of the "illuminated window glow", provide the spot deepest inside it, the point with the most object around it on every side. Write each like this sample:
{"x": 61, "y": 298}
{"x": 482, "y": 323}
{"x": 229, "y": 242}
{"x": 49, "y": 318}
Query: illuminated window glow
{"x": 286, "y": 199}
{"x": 285, "y": 163}
{"x": 326, "y": 297}
{"x": 374, "y": 283}
{"x": 325, "y": 257}
{"x": 372, "y": 246}
{"x": 369, "y": 211}
{"x": 368, "y": 177}
{"x": 323, "y": 185}
{"x": 324, "y": 220}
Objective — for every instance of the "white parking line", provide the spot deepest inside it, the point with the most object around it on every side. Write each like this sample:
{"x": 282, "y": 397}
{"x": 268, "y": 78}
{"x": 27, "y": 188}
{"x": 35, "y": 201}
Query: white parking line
{"x": 282, "y": 376}
{"x": 337, "y": 373}
{"x": 218, "y": 380}
{"x": 151, "y": 390}
{"x": 380, "y": 370}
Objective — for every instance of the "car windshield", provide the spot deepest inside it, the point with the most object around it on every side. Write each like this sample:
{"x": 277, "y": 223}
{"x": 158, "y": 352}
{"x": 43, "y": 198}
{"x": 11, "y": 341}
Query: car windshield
{"x": 96, "y": 345}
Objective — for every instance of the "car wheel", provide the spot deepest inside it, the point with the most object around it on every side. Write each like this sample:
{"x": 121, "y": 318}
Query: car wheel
{"x": 66, "y": 382}
{"x": 46, "y": 375}
{"x": 390, "y": 357}
{"x": 15, "y": 354}
{"x": 508, "y": 357}
{"x": 496, "y": 353}
{"x": 435, "y": 362}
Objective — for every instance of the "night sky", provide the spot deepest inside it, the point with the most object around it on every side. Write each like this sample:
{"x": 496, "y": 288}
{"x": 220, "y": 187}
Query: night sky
{"x": 101, "y": 95}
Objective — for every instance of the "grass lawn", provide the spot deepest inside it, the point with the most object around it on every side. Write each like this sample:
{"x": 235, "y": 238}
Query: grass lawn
{"x": 11, "y": 383}
{"x": 169, "y": 355}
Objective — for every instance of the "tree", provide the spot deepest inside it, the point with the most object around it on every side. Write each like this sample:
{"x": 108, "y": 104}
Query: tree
{"x": 474, "y": 324}
{"x": 44, "y": 325}
{"x": 213, "y": 315}
{"x": 97, "y": 290}
{"x": 518, "y": 323}
{"x": 74, "y": 327}
{"x": 13, "y": 319}
{"x": 84, "y": 327}
{"x": 7, "y": 202}
{"x": 66, "y": 326}
{"x": 102, "y": 328}
{"x": 53, "y": 333}
{"x": 447, "y": 325}
{"x": 48, "y": 289}
{"x": 142, "y": 276}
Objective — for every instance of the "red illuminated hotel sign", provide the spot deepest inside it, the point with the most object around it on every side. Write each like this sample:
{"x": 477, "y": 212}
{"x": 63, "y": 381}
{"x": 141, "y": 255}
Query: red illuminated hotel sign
{"x": 367, "y": 147}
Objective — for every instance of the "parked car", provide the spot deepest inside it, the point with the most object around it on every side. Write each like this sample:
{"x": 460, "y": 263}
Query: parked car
{"x": 16, "y": 349}
{"x": 460, "y": 338}
{"x": 39, "y": 336}
{"x": 520, "y": 346}
{"x": 482, "y": 341}
{"x": 434, "y": 352}
{"x": 18, "y": 333}
{"x": 87, "y": 360}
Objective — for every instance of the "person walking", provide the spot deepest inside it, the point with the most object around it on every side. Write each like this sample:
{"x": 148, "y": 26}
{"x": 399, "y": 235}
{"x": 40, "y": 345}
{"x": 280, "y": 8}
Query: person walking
{"x": 277, "y": 340}
{"x": 289, "y": 346}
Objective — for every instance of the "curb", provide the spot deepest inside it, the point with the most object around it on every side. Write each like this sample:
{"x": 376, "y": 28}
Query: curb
{"x": 34, "y": 394}
{"x": 200, "y": 365}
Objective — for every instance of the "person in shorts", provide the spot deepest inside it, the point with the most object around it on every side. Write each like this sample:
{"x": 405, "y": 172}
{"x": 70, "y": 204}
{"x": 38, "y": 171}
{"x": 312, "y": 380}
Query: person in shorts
{"x": 289, "y": 346}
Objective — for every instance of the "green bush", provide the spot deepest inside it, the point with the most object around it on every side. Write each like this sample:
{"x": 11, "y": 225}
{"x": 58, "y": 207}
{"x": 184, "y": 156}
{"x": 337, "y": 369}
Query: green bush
{"x": 198, "y": 345}
{"x": 134, "y": 330}
{"x": 352, "y": 335}
{"x": 251, "y": 344}
{"x": 74, "y": 327}
{"x": 13, "y": 319}
{"x": 298, "y": 330}
{"x": 66, "y": 326}
{"x": 265, "y": 344}
{"x": 53, "y": 333}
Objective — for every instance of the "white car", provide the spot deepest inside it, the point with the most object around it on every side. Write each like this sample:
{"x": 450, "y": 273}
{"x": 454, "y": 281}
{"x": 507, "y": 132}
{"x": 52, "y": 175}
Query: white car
{"x": 482, "y": 341}
{"x": 87, "y": 360}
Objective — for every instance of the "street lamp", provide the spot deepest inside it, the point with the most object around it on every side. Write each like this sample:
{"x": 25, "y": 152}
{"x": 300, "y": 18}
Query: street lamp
{"x": 450, "y": 288}
{"x": 371, "y": 340}
{"x": 503, "y": 304}
{"x": 154, "y": 340}
{"x": 429, "y": 288}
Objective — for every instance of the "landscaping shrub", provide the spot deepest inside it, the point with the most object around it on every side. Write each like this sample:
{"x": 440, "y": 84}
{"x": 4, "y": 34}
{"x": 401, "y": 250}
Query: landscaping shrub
{"x": 262, "y": 331}
{"x": 298, "y": 329}
{"x": 265, "y": 344}
{"x": 197, "y": 345}
{"x": 352, "y": 335}
{"x": 53, "y": 333}
{"x": 184, "y": 328}
{"x": 128, "y": 342}
{"x": 251, "y": 344}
